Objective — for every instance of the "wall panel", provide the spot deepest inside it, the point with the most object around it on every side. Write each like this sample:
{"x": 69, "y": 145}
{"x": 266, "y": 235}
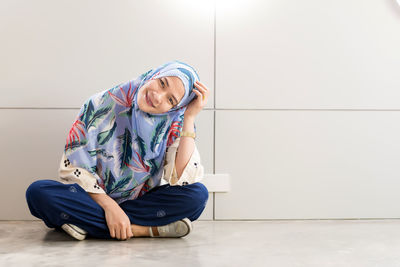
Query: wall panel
{"x": 58, "y": 53}
{"x": 308, "y": 165}
{"x": 283, "y": 54}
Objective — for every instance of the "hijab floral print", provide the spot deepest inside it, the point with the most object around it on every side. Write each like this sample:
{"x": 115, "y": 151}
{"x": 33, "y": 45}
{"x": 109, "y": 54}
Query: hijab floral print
{"x": 122, "y": 146}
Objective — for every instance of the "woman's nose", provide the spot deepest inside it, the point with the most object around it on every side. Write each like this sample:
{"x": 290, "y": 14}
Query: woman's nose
{"x": 157, "y": 98}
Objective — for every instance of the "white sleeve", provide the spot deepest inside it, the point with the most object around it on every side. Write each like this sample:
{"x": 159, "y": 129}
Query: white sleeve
{"x": 193, "y": 172}
{"x": 69, "y": 174}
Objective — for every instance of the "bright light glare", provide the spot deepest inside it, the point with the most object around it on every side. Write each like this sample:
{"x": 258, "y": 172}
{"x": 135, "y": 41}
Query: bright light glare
{"x": 233, "y": 8}
{"x": 198, "y": 8}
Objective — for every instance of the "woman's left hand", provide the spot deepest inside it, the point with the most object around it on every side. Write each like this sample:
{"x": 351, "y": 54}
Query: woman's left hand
{"x": 197, "y": 104}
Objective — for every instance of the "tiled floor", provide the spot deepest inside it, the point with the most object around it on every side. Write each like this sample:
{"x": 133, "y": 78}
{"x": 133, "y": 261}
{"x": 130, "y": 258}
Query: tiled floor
{"x": 213, "y": 243}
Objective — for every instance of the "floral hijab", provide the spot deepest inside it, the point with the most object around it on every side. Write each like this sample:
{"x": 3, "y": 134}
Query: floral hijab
{"x": 122, "y": 146}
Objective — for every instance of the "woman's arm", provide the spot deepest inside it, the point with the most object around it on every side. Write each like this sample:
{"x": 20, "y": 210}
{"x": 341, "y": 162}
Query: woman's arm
{"x": 103, "y": 200}
{"x": 186, "y": 146}
{"x": 118, "y": 222}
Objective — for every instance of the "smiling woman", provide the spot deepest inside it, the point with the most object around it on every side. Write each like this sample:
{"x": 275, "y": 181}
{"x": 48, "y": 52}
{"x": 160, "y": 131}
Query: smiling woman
{"x": 159, "y": 95}
{"x": 119, "y": 161}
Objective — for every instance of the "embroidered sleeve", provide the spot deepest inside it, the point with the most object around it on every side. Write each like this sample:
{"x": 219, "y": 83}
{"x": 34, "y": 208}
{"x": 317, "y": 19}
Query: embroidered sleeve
{"x": 69, "y": 174}
{"x": 193, "y": 172}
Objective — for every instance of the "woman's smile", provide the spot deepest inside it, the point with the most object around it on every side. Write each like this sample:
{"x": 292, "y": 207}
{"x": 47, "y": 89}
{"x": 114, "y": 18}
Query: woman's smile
{"x": 148, "y": 100}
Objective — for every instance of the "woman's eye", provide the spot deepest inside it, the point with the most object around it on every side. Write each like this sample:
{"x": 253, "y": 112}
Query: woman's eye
{"x": 172, "y": 102}
{"x": 162, "y": 83}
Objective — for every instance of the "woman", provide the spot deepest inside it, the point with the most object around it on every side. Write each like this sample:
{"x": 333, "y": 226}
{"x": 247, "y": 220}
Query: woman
{"x": 121, "y": 174}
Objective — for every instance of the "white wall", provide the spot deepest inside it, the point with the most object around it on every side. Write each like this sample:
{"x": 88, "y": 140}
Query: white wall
{"x": 306, "y": 95}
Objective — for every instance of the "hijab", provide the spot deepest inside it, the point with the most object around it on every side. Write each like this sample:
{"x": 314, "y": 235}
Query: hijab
{"x": 121, "y": 145}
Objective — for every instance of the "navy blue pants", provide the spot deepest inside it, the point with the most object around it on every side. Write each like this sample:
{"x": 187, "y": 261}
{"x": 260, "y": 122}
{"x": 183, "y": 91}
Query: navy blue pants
{"x": 56, "y": 203}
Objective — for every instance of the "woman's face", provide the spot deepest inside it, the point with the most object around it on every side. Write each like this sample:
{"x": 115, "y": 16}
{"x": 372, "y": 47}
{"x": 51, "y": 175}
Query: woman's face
{"x": 160, "y": 95}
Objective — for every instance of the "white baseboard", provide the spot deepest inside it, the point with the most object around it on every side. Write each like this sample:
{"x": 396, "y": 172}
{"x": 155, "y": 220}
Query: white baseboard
{"x": 217, "y": 182}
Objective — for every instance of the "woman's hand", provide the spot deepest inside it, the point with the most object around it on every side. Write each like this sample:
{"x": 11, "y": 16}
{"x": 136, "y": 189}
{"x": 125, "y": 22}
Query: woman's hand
{"x": 197, "y": 104}
{"x": 118, "y": 222}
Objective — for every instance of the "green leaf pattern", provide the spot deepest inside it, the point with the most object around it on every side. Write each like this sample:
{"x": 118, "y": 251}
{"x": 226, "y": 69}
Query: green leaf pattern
{"x": 157, "y": 135}
{"x": 105, "y": 135}
{"x": 125, "y": 149}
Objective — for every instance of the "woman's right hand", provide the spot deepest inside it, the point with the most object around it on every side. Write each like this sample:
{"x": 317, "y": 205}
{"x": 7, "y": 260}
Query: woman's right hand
{"x": 118, "y": 222}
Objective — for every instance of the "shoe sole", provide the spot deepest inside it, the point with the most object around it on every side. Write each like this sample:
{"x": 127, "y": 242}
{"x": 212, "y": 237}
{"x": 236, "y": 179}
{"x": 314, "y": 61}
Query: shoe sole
{"x": 73, "y": 232}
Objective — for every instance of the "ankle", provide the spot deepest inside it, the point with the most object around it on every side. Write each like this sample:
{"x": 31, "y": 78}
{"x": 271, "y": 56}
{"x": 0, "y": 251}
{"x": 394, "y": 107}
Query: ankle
{"x": 140, "y": 230}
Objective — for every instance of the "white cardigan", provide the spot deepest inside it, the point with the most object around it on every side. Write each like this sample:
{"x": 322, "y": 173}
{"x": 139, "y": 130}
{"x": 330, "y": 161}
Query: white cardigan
{"x": 193, "y": 172}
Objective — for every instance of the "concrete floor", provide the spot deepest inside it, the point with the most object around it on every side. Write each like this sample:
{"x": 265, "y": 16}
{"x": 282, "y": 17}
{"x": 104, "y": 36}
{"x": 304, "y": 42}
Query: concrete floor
{"x": 213, "y": 243}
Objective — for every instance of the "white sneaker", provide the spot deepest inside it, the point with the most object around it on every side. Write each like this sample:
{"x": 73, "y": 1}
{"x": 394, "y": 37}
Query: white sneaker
{"x": 179, "y": 228}
{"x": 74, "y": 231}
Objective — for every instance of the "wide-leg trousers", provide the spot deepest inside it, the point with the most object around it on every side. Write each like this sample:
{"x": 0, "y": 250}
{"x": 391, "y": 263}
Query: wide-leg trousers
{"x": 56, "y": 203}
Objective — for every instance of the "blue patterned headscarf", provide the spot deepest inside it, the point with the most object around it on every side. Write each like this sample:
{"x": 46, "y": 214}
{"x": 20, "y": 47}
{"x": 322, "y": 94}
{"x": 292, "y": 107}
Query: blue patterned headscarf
{"x": 121, "y": 145}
